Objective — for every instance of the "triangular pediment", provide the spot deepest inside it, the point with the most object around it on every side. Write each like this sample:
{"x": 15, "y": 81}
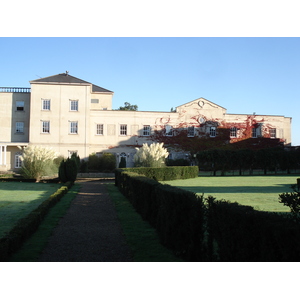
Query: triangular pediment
{"x": 201, "y": 103}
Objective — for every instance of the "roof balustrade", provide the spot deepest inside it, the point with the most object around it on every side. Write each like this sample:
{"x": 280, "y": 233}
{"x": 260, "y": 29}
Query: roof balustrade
{"x": 14, "y": 90}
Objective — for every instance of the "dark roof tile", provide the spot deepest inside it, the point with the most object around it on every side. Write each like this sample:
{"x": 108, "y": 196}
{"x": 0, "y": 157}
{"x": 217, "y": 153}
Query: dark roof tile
{"x": 66, "y": 78}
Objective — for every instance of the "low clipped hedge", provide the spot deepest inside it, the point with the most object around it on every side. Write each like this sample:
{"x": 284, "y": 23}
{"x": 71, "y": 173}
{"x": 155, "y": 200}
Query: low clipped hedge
{"x": 176, "y": 214}
{"x": 207, "y": 229}
{"x": 21, "y": 179}
{"x": 15, "y": 179}
{"x": 167, "y": 173}
{"x": 244, "y": 234}
{"x": 28, "y": 225}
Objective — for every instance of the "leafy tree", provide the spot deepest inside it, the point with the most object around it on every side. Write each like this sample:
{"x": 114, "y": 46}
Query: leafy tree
{"x": 151, "y": 156}
{"x": 128, "y": 106}
{"x": 37, "y": 162}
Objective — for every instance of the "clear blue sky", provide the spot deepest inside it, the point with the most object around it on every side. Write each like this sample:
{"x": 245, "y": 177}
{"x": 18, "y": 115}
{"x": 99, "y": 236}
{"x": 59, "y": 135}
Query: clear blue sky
{"x": 244, "y": 75}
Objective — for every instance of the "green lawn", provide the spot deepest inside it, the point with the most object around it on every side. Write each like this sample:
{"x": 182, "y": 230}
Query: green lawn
{"x": 260, "y": 192}
{"x": 18, "y": 199}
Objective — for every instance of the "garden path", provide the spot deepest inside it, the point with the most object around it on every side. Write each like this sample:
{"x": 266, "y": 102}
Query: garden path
{"x": 90, "y": 230}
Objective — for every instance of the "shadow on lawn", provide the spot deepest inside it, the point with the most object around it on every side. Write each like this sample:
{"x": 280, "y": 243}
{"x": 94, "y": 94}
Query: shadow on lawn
{"x": 278, "y": 189}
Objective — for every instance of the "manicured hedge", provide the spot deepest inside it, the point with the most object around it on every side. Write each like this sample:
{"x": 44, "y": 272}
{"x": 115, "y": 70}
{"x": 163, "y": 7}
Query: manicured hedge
{"x": 180, "y": 222}
{"x": 244, "y": 234}
{"x": 266, "y": 159}
{"x": 12, "y": 179}
{"x": 167, "y": 173}
{"x": 21, "y": 179}
{"x": 200, "y": 229}
{"x": 28, "y": 225}
{"x": 176, "y": 214}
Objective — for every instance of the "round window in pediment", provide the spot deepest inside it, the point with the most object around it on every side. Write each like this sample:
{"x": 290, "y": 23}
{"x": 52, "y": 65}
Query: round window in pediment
{"x": 201, "y": 103}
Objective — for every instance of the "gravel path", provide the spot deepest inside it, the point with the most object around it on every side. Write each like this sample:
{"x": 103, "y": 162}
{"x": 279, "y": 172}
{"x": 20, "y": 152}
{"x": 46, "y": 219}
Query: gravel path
{"x": 90, "y": 230}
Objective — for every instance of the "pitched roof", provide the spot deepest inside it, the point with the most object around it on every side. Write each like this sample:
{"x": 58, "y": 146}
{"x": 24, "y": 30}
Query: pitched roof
{"x": 65, "y": 78}
{"x": 98, "y": 89}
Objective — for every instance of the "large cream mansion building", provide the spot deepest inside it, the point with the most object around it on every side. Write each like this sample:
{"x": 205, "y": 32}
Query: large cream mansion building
{"x": 72, "y": 115}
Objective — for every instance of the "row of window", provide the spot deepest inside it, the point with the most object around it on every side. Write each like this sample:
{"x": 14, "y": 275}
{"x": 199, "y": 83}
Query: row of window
{"x": 123, "y": 129}
{"x": 45, "y": 127}
{"x": 46, "y": 104}
{"x": 73, "y": 129}
{"x": 256, "y": 132}
{"x": 73, "y": 104}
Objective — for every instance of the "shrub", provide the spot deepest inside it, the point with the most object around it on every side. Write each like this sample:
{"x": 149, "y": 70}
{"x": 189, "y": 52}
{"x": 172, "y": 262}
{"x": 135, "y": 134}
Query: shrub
{"x": 37, "y": 162}
{"x": 62, "y": 171}
{"x": 76, "y": 158}
{"x": 292, "y": 200}
{"x": 107, "y": 162}
{"x": 177, "y": 162}
{"x": 83, "y": 168}
{"x": 71, "y": 169}
{"x": 68, "y": 170}
{"x": 93, "y": 162}
{"x": 167, "y": 173}
{"x": 104, "y": 163}
{"x": 151, "y": 156}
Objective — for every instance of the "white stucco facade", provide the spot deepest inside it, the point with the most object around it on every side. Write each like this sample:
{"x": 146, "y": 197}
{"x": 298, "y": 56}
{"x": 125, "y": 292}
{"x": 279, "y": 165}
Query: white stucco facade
{"x": 72, "y": 115}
